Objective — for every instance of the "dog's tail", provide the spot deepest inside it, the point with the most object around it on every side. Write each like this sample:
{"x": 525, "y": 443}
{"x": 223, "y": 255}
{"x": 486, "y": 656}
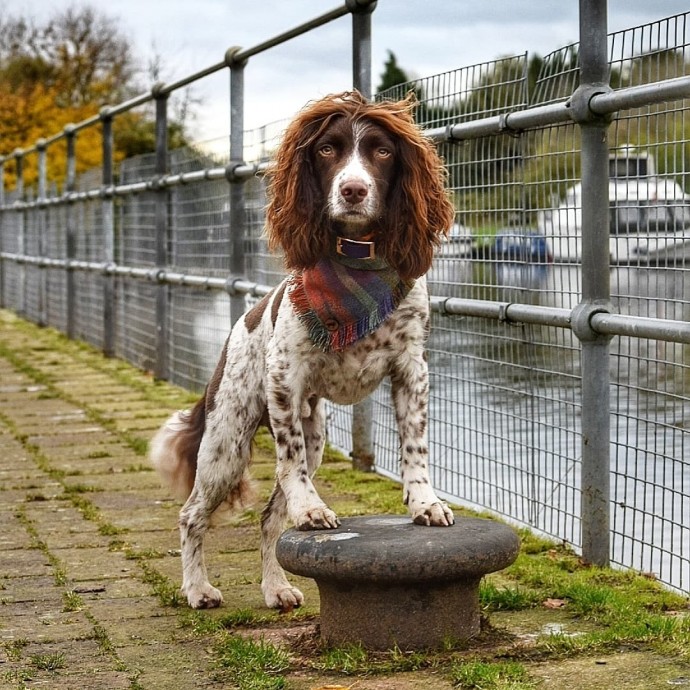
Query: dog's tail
{"x": 174, "y": 448}
{"x": 173, "y": 452}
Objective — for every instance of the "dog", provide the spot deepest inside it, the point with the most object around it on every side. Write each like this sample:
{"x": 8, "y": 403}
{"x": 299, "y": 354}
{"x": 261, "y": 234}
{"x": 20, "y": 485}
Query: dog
{"x": 357, "y": 205}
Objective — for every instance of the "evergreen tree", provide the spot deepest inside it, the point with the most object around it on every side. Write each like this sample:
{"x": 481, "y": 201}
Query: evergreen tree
{"x": 392, "y": 74}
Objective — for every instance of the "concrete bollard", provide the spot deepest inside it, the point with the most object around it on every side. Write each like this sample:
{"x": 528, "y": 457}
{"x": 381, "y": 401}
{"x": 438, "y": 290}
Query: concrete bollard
{"x": 384, "y": 581}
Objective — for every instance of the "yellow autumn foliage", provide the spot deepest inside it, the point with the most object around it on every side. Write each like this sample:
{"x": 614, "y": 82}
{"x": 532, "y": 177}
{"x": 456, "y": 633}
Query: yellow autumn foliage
{"x": 34, "y": 113}
{"x": 62, "y": 69}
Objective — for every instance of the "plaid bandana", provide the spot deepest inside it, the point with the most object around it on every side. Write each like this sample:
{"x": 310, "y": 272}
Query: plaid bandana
{"x": 341, "y": 300}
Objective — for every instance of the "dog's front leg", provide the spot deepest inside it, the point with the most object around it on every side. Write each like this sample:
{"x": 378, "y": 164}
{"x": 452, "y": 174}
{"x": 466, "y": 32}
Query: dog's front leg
{"x": 410, "y": 397}
{"x": 278, "y": 592}
{"x": 304, "y": 505}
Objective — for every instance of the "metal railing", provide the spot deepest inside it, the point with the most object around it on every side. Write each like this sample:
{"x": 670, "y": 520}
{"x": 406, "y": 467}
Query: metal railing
{"x": 538, "y": 368}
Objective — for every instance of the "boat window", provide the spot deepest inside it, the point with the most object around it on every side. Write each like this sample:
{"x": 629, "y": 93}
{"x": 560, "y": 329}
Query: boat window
{"x": 627, "y": 167}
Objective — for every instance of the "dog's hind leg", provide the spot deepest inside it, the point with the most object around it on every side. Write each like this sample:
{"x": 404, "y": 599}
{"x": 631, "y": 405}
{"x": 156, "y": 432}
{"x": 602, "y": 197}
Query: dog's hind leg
{"x": 278, "y": 592}
{"x": 194, "y": 521}
{"x": 224, "y": 454}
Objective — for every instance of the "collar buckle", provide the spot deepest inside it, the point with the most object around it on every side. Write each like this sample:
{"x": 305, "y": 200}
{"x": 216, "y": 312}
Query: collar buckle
{"x": 355, "y": 249}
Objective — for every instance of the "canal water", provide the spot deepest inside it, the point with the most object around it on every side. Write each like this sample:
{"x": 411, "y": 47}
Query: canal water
{"x": 505, "y": 410}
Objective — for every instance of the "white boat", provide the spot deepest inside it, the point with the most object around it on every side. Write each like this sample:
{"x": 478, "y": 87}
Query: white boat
{"x": 649, "y": 215}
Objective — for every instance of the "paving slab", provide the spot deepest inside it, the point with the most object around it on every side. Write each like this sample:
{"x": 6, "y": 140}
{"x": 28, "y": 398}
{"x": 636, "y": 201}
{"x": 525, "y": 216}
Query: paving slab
{"x": 90, "y": 578}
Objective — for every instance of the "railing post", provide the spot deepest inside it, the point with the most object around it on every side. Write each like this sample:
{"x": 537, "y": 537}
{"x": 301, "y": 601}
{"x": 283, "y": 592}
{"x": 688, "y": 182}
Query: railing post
{"x": 361, "y": 45}
{"x": 70, "y": 230}
{"x": 362, "y": 413}
{"x": 21, "y": 233}
{"x": 108, "y": 220}
{"x": 237, "y": 220}
{"x": 596, "y": 441}
{"x": 161, "y": 366}
{"x": 2, "y": 232}
{"x": 41, "y": 212}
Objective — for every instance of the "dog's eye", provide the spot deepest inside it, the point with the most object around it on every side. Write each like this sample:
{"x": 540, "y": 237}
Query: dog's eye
{"x": 326, "y": 150}
{"x": 383, "y": 152}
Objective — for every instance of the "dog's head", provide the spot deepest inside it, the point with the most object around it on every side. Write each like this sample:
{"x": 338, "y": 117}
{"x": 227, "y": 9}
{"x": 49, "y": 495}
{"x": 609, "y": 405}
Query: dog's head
{"x": 360, "y": 170}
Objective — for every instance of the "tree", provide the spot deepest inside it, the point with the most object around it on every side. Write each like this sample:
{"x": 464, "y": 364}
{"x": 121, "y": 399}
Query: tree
{"x": 396, "y": 85}
{"x": 392, "y": 75}
{"x": 64, "y": 70}
{"x": 78, "y": 51}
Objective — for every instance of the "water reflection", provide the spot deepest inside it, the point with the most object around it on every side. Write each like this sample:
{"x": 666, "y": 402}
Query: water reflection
{"x": 505, "y": 408}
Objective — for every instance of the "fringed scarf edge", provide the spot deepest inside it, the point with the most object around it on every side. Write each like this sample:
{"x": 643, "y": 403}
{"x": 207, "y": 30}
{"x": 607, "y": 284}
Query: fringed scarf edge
{"x": 340, "y": 336}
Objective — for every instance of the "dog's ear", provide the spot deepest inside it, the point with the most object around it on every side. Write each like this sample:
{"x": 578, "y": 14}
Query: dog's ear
{"x": 295, "y": 222}
{"x": 419, "y": 212}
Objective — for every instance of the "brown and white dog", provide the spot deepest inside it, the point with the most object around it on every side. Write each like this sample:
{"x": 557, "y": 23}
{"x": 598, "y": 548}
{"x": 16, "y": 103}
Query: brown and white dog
{"x": 353, "y": 182}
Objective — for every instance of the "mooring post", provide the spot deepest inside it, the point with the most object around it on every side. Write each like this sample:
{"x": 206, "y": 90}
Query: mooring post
{"x": 385, "y": 582}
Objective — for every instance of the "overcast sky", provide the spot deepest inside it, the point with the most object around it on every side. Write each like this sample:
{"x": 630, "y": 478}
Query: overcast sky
{"x": 427, "y": 36}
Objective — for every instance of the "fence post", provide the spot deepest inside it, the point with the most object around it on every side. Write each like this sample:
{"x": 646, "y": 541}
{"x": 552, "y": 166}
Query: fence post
{"x": 70, "y": 230}
{"x": 361, "y": 45}
{"x": 21, "y": 234}
{"x": 108, "y": 220}
{"x": 596, "y": 424}
{"x": 161, "y": 365}
{"x": 42, "y": 212}
{"x": 237, "y": 216}
{"x": 363, "y": 412}
{"x": 2, "y": 232}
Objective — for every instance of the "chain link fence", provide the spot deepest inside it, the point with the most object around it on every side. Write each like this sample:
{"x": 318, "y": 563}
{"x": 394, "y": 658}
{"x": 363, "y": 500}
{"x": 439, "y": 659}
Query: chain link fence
{"x": 506, "y": 407}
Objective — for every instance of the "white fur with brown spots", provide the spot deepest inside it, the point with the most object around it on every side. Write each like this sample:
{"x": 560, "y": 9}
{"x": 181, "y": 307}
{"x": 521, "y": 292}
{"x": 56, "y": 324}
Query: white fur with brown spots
{"x": 271, "y": 372}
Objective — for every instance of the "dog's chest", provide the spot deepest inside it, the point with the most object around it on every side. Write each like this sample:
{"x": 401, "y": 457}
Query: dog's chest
{"x": 347, "y": 377}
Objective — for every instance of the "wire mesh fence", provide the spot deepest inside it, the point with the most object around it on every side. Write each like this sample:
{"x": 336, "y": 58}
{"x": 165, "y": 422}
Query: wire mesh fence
{"x": 505, "y": 422}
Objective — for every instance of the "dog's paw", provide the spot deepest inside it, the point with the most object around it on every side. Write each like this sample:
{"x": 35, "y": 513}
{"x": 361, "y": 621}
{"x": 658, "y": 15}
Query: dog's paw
{"x": 436, "y": 515}
{"x": 284, "y": 598}
{"x": 203, "y": 597}
{"x": 320, "y": 517}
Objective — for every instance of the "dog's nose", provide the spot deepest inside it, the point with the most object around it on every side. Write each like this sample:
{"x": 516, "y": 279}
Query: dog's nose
{"x": 353, "y": 191}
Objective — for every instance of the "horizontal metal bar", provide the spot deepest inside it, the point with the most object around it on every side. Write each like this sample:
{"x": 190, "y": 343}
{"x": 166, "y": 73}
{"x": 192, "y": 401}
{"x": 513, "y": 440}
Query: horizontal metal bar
{"x": 207, "y": 282}
{"x": 166, "y": 89}
{"x": 84, "y": 124}
{"x": 241, "y": 171}
{"x": 542, "y": 115}
{"x": 601, "y": 322}
{"x": 516, "y": 121}
{"x": 56, "y": 137}
{"x": 47, "y": 262}
{"x": 554, "y": 113}
{"x": 508, "y": 312}
{"x": 641, "y": 327}
{"x": 133, "y": 188}
{"x": 503, "y": 311}
{"x": 641, "y": 95}
{"x": 132, "y": 272}
{"x": 248, "y": 287}
{"x": 141, "y": 99}
{"x": 244, "y": 54}
{"x": 336, "y": 13}
{"x": 94, "y": 119}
